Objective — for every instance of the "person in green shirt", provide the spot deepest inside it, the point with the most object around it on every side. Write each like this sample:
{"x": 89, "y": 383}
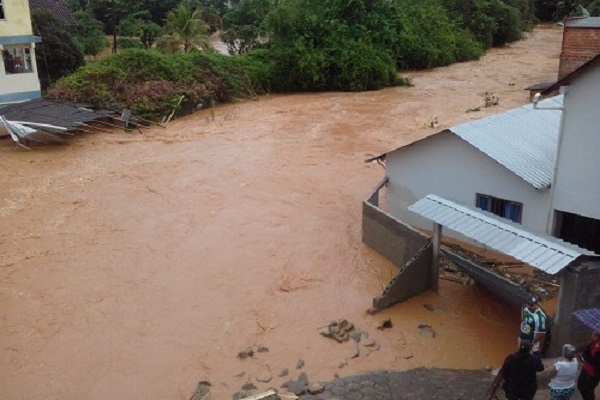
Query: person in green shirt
{"x": 533, "y": 325}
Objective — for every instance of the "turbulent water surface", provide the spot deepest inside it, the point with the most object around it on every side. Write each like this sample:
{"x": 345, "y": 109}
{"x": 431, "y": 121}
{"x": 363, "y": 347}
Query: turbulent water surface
{"x": 134, "y": 265}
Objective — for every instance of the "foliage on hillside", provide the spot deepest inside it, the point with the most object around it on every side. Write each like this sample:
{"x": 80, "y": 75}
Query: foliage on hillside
{"x": 151, "y": 83}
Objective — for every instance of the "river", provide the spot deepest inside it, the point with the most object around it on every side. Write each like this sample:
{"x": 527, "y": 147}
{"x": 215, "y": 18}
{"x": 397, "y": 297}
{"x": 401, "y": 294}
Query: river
{"x": 134, "y": 265}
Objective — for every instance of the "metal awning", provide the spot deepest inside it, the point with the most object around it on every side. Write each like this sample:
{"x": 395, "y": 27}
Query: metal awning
{"x": 542, "y": 251}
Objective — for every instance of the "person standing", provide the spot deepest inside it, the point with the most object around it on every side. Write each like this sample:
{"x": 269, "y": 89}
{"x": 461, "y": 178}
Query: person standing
{"x": 533, "y": 325}
{"x": 563, "y": 375}
{"x": 519, "y": 373}
{"x": 590, "y": 373}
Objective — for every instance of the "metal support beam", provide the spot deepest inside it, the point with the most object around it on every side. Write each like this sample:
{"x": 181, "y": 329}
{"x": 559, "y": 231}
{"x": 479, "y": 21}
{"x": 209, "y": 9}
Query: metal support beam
{"x": 435, "y": 259}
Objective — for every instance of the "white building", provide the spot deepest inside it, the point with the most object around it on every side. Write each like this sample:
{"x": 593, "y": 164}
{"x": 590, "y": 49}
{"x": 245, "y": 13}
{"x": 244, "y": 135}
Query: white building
{"x": 507, "y": 164}
{"x": 18, "y": 72}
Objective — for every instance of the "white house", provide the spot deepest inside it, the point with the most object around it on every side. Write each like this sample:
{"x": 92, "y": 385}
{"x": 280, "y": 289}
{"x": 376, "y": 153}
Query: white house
{"x": 507, "y": 164}
{"x": 18, "y": 72}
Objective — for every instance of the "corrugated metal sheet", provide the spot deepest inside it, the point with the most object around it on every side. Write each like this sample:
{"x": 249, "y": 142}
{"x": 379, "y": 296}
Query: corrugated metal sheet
{"x": 538, "y": 250}
{"x": 590, "y": 22}
{"x": 524, "y": 139}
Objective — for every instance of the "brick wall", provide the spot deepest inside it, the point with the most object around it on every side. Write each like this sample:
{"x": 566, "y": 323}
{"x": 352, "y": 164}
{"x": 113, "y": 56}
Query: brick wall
{"x": 579, "y": 45}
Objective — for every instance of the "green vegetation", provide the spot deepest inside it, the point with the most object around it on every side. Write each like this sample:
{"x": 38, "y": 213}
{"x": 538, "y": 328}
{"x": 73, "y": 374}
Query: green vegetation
{"x": 285, "y": 45}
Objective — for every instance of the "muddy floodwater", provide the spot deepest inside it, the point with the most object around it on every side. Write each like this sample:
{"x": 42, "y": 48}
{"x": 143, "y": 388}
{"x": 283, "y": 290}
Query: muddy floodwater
{"x": 134, "y": 265}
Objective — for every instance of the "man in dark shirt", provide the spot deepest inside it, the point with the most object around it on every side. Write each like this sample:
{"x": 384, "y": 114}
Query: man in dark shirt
{"x": 519, "y": 373}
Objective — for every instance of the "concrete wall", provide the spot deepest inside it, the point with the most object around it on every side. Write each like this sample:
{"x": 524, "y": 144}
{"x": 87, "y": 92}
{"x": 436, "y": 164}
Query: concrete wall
{"x": 579, "y": 45}
{"x": 447, "y": 166}
{"x": 17, "y": 20}
{"x": 579, "y": 289}
{"x": 388, "y": 236}
{"x": 412, "y": 279}
{"x": 407, "y": 248}
{"x": 577, "y": 187}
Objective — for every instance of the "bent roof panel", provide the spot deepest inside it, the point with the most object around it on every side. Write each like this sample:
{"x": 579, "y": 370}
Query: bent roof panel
{"x": 542, "y": 251}
{"x": 524, "y": 139}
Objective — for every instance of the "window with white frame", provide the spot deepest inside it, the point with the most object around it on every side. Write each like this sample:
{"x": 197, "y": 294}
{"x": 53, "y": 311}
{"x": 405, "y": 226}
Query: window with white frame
{"x": 503, "y": 208}
{"x": 1, "y": 10}
{"x": 17, "y": 60}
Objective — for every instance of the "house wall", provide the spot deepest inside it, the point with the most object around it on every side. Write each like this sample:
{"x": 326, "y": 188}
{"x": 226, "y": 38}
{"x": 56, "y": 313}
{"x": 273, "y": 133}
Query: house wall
{"x": 447, "y": 166}
{"x": 579, "y": 45}
{"x": 16, "y": 30}
{"x": 577, "y": 187}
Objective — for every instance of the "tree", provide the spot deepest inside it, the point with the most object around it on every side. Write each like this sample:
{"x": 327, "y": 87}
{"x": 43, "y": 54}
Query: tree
{"x": 140, "y": 25}
{"x": 245, "y": 24}
{"x": 185, "y": 30}
{"x": 57, "y": 55}
{"x": 112, "y": 12}
{"x": 90, "y": 36}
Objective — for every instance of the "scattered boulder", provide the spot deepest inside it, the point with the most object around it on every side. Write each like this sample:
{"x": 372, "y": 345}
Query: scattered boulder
{"x": 242, "y": 355}
{"x": 368, "y": 343}
{"x": 284, "y": 372}
{"x": 300, "y": 364}
{"x": 407, "y": 354}
{"x": 249, "y": 386}
{"x": 385, "y": 324}
{"x": 342, "y": 364}
{"x": 297, "y": 387}
{"x": 202, "y": 391}
{"x": 339, "y": 330}
{"x": 262, "y": 349}
{"x": 355, "y": 335}
{"x": 316, "y": 388}
{"x": 426, "y": 331}
{"x": 354, "y": 351}
{"x": 264, "y": 378}
{"x": 241, "y": 374}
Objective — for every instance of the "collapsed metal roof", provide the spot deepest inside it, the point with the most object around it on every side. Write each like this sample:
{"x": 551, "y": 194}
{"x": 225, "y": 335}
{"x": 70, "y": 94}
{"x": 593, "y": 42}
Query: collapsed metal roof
{"x": 542, "y": 251}
{"x": 42, "y": 111}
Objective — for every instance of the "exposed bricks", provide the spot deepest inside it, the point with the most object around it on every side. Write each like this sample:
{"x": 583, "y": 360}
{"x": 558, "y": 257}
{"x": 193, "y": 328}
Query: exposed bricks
{"x": 579, "y": 45}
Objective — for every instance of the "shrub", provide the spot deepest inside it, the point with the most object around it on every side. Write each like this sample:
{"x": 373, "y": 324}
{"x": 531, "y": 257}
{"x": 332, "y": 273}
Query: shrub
{"x": 124, "y": 43}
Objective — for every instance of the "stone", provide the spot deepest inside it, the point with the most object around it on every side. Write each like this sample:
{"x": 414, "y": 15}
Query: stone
{"x": 242, "y": 355}
{"x": 385, "y": 324}
{"x": 355, "y": 335}
{"x": 368, "y": 343}
{"x": 202, "y": 391}
{"x": 300, "y": 364}
{"x": 284, "y": 372}
{"x": 262, "y": 349}
{"x": 426, "y": 331}
{"x": 243, "y": 394}
{"x": 354, "y": 351}
{"x": 489, "y": 368}
{"x": 342, "y": 364}
{"x": 264, "y": 378}
{"x": 316, "y": 388}
{"x": 364, "y": 334}
{"x": 407, "y": 354}
{"x": 249, "y": 386}
{"x": 241, "y": 374}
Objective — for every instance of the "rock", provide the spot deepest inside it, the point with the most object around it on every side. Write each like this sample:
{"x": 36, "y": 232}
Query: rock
{"x": 243, "y": 394}
{"x": 242, "y": 355}
{"x": 264, "y": 378}
{"x": 426, "y": 331}
{"x": 407, "y": 354}
{"x": 240, "y": 374}
{"x": 430, "y": 307}
{"x": 342, "y": 364}
{"x": 368, "y": 343}
{"x": 386, "y": 323}
{"x": 488, "y": 368}
{"x": 300, "y": 364}
{"x": 365, "y": 335}
{"x": 283, "y": 373}
{"x": 316, "y": 388}
{"x": 202, "y": 391}
{"x": 355, "y": 335}
{"x": 262, "y": 349}
{"x": 354, "y": 351}
{"x": 249, "y": 386}
{"x": 298, "y": 387}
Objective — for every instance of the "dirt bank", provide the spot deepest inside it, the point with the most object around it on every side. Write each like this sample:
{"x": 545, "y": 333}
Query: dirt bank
{"x": 133, "y": 266}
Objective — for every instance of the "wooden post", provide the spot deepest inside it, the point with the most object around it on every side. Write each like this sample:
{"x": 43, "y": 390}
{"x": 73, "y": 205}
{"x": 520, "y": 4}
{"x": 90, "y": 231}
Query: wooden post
{"x": 435, "y": 259}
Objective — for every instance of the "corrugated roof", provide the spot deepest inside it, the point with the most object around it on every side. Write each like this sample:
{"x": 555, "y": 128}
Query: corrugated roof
{"x": 589, "y": 22}
{"x": 57, "y": 8}
{"x": 524, "y": 139}
{"x": 542, "y": 251}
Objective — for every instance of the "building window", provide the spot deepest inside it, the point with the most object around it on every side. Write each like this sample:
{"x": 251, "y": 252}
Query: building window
{"x": 1, "y": 10}
{"x": 17, "y": 60}
{"x": 503, "y": 208}
{"x": 577, "y": 229}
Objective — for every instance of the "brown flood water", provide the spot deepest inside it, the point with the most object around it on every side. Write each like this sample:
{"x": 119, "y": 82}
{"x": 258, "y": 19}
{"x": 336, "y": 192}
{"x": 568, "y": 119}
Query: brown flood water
{"x": 132, "y": 266}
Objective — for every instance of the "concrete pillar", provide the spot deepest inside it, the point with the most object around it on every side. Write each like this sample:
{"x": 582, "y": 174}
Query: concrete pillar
{"x": 579, "y": 289}
{"x": 435, "y": 260}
